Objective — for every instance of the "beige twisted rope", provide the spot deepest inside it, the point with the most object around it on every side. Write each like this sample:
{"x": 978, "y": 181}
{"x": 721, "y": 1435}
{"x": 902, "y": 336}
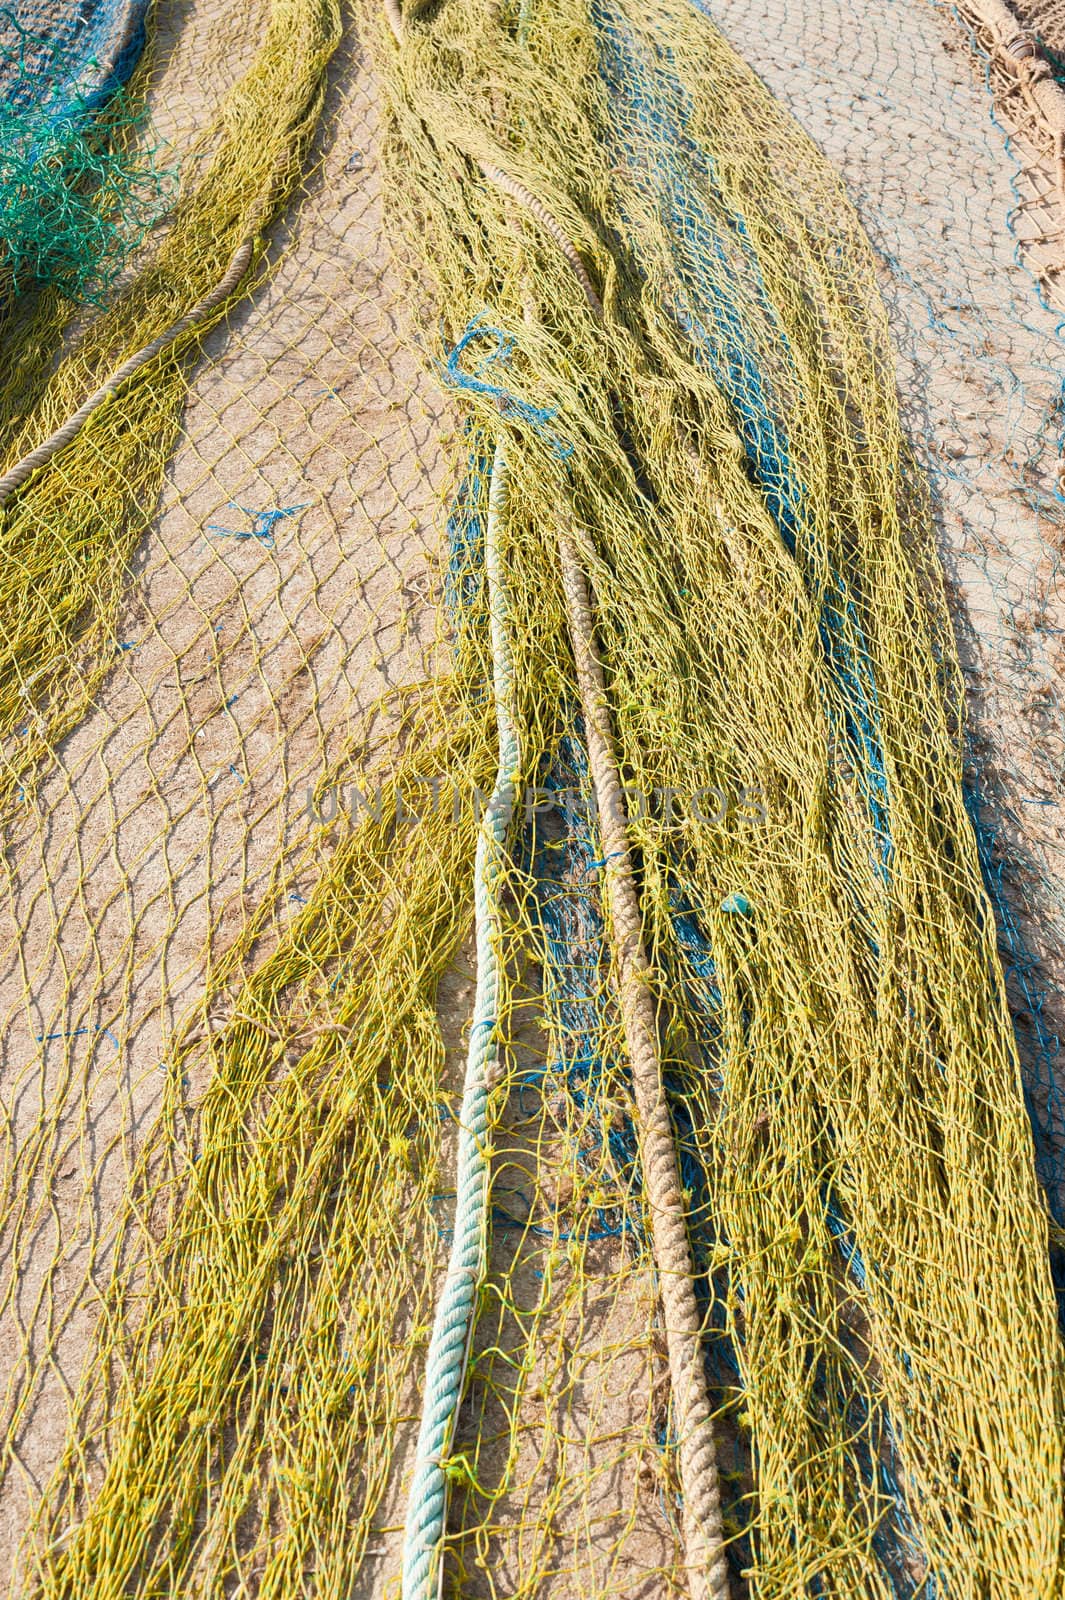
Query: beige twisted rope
{"x": 703, "y": 1536}
{"x": 517, "y": 191}
{"x": 395, "y": 19}
{"x": 1022, "y": 54}
{"x": 704, "y": 1543}
{"x": 524, "y": 197}
{"x": 72, "y": 427}
{"x": 707, "y": 1566}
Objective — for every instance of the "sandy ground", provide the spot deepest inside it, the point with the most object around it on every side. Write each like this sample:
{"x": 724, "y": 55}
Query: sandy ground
{"x": 240, "y": 664}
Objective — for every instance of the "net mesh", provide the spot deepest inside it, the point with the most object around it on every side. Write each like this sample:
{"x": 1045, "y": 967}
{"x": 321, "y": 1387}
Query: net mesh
{"x": 242, "y": 683}
{"x": 80, "y": 183}
{"x": 976, "y": 345}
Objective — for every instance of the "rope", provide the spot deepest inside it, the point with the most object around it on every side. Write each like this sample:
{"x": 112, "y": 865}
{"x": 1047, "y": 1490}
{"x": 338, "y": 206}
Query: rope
{"x": 453, "y": 1322}
{"x": 1021, "y": 54}
{"x": 517, "y": 191}
{"x": 524, "y": 197}
{"x": 395, "y": 19}
{"x": 707, "y": 1567}
{"x": 43, "y": 453}
{"x": 704, "y": 1543}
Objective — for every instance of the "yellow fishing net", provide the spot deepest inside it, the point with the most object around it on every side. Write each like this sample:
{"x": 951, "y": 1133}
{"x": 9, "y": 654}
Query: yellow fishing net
{"x": 243, "y": 775}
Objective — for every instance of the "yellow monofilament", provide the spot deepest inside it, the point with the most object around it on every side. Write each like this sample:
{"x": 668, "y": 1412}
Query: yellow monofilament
{"x": 724, "y": 446}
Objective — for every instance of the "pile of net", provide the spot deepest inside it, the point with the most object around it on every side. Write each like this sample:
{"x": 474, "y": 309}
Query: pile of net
{"x": 79, "y": 185}
{"x": 870, "y": 1237}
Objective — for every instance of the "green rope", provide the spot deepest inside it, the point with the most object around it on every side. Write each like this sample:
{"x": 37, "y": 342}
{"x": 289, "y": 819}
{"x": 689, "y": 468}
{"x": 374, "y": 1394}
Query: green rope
{"x": 453, "y": 1323}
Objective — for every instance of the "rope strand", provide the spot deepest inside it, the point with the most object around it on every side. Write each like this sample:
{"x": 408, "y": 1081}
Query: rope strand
{"x": 449, "y": 1346}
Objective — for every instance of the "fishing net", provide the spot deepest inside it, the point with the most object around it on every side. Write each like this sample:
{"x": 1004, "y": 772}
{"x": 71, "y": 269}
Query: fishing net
{"x": 245, "y": 703}
{"x": 62, "y": 60}
{"x": 78, "y": 173}
{"x": 977, "y": 348}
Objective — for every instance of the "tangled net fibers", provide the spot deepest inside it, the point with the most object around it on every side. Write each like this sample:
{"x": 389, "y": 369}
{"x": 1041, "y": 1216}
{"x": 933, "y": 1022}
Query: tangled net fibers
{"x": 724, "y": 444}
{"x": 78, "y": 179}
{"x": 66, "y": 541}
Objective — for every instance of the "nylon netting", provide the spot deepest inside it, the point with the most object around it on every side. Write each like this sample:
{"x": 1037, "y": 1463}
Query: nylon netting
{"x": 982, "y": 398}
{"x": 244, "y": 748}
{"x": 284, "y": 584}
{"x": 81, "y": 186}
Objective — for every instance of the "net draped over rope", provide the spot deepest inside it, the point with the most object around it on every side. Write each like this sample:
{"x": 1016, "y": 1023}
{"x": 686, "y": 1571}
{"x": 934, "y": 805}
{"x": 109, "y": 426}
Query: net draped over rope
{"x": 866, "y": 1226}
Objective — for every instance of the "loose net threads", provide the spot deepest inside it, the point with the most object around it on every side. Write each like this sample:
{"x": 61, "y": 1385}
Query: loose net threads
{"x": 867, "y": 1232}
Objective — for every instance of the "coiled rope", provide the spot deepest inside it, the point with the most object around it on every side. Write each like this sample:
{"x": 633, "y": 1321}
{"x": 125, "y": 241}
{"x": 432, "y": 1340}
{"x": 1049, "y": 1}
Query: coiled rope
{"x": 453, "y": 1320}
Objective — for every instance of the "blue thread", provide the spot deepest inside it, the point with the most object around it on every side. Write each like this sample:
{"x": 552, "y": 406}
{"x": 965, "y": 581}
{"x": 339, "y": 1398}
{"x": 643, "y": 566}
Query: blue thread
{"x": 76, "y": 1033}
{"x": 736, "y": 905}
{"x": 262, "y": 528}
{"x": 510, "y": 407}
{"x": 464, "y": 576}
{"x": 595, "y": 866}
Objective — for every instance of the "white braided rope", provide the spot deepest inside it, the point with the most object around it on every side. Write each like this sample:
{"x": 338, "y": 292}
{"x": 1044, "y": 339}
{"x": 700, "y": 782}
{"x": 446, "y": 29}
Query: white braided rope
{"x": 453, "y": 1322}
